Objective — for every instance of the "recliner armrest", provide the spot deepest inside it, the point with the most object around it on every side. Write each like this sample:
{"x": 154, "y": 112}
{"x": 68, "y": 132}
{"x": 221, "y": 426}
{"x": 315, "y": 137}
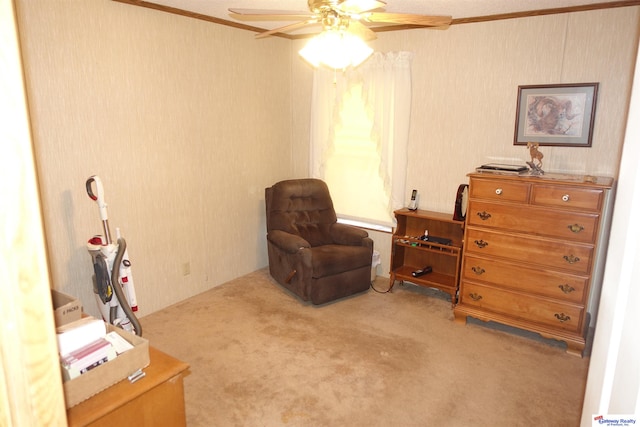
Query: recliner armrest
{"x": 288, "y": 242}
{"x": 344, "y": 234}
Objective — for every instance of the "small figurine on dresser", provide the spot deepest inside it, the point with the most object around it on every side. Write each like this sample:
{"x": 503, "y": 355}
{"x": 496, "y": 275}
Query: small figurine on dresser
{"x": 536, "y": 167}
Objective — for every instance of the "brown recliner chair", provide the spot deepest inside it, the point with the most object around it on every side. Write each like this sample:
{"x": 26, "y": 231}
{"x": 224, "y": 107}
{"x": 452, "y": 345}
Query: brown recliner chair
{"x": 310, "y": 253}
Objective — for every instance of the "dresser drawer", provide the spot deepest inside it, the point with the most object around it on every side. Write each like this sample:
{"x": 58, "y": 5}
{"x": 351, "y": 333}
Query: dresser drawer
{"x": 531, "y": 251}
{"x": 565, "y": 287}
{"x": 499, "y": 190}
{"x": 589, "y": 199}
{"x": 523, "y": 307}
{"x": 579, "y": 227}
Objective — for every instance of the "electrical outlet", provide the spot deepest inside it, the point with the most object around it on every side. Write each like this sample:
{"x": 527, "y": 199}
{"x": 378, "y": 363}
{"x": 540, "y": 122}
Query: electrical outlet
{"x": 186, "y": 269}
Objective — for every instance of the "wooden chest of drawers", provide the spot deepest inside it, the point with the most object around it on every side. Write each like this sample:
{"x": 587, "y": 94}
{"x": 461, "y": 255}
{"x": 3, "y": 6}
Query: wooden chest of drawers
{"x": 530, "y": 248}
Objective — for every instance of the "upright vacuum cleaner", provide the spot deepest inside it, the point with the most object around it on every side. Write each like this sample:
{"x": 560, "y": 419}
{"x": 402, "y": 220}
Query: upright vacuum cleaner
{"x": 113, "y": 286}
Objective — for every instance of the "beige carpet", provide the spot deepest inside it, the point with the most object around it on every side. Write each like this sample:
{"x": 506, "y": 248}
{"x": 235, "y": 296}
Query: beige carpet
{"x": 260, "y": 357}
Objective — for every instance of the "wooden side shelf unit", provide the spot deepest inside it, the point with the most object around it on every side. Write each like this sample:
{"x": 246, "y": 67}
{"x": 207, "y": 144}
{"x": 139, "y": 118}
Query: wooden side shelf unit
{"x": 409, "y": 253}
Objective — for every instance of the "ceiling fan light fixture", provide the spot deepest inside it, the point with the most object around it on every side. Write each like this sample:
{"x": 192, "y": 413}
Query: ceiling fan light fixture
{"x": 336, "y": 49}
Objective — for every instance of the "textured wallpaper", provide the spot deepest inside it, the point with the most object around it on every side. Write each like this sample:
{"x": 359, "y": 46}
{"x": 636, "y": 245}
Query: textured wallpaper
{"x": 465, "y": 82}
{"x": 187, "y": 122}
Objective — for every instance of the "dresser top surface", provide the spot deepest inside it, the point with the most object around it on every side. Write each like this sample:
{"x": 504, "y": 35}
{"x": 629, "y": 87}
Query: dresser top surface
{"x": 550, "y": 178}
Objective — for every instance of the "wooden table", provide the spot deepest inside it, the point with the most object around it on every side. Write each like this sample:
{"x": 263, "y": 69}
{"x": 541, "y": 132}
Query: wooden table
{"x": 157, "y": 399}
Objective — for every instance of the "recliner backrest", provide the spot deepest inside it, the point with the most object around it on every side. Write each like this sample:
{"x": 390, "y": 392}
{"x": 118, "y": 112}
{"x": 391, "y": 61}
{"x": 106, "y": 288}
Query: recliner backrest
{"x": 303, "y": 207}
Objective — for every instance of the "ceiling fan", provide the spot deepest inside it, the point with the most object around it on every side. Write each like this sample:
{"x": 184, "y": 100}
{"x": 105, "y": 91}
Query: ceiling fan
{"x": 342, "y": 15}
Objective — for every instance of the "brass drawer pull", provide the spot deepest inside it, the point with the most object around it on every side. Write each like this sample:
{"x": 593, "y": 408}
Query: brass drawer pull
{"x": 484, "y": 215}
{"x": 498, "y": 191}
{"x": 477, "y": 270}
{"x": 562, "y": 317}
{"x": 571, "y": 259}
{"x": 482, "y": 244}
{"x": 566, "y": 198}
{"x": 575, "y": 228}
{"x": 474, "y": 296}
{"x": 566, "y": 288}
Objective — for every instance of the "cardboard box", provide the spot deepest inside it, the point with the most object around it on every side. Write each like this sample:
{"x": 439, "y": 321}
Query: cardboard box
{"x": 86, "y": 385}
{"x": 65, "y": 308}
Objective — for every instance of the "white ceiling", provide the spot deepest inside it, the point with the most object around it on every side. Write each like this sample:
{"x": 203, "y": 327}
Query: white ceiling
{"x": 458, "y": 9}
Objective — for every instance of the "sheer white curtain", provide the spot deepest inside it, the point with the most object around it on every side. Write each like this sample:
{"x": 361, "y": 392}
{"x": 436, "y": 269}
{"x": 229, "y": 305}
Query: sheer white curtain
{"x": 386, "y": 89}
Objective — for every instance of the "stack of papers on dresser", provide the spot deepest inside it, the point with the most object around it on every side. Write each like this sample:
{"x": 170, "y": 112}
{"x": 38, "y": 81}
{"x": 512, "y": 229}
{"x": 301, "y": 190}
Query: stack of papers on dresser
{"x": 84, "y": 344}
{"x": 505, "y": 169}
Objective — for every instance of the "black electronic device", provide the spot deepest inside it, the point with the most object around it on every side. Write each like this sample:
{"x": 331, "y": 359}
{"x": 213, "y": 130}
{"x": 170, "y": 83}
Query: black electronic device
{"x": 503, "y": 167}
{"x": 434, "y": 239}
{"x": 422, "y": 271}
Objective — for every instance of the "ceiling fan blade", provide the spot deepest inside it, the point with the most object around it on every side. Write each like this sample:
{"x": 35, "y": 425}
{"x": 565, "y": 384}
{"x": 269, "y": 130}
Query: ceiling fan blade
{"x": 268, "y": 15}
{"x": 289, "y": 27}
{"x": 407, "y": 19}
{"x": 359, "y": 6}
{"x": 361, "y": 31}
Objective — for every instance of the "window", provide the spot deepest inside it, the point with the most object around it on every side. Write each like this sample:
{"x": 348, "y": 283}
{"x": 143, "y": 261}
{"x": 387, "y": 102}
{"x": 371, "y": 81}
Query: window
{"x": 359, "y": 136}
{"x": 352, "y": 170}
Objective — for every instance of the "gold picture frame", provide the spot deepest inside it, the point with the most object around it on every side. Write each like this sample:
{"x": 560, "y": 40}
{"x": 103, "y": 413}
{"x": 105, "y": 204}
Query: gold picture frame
{"x": 556, "y": 115}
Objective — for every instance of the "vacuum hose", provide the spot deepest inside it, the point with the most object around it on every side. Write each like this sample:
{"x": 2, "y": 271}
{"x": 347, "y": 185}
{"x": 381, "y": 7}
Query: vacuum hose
{"x": 102, "y": 286}
{"x": 115, "y": 279}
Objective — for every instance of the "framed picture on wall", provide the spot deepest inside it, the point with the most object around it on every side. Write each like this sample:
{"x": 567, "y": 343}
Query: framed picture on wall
{"x": 560, "y": 114}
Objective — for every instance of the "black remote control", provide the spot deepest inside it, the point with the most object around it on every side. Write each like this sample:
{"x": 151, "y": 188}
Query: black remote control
{"x": 421, "y": 272}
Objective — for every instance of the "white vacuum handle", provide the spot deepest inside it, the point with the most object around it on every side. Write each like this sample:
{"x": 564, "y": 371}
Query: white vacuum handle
{"x": 102, "y": 205}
